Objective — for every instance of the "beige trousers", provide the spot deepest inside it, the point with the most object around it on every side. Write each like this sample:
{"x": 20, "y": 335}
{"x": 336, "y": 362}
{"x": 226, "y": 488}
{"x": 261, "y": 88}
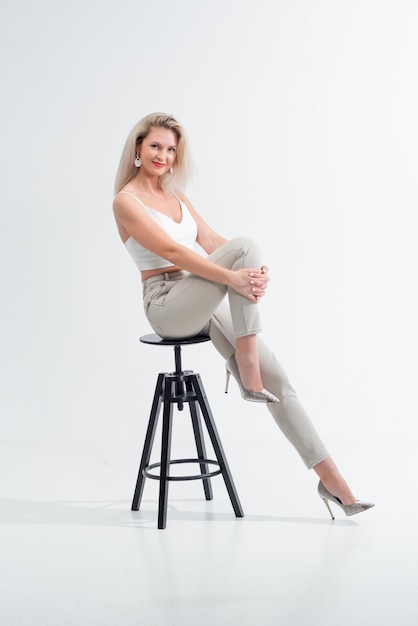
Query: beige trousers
{"x": 179, "y": 304}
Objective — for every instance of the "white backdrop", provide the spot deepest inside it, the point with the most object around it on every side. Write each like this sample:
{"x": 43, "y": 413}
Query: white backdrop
{"x": 302, "y": 121}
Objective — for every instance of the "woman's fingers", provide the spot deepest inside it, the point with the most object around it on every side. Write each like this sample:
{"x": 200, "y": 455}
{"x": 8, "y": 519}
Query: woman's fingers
{"x": 252, "y": 283}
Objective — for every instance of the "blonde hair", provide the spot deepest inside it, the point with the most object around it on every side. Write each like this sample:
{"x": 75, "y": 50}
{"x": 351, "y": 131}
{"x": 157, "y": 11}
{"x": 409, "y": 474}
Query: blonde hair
{"x": 182, "y": 168}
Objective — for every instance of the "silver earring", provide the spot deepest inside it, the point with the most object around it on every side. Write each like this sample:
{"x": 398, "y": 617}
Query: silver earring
{"x": 137, "y": 161}
{"x": 171, "y": 170}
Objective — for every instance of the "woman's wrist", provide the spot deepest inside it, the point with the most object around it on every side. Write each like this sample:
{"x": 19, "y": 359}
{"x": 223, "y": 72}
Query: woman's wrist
{"x": 229, "y": 277}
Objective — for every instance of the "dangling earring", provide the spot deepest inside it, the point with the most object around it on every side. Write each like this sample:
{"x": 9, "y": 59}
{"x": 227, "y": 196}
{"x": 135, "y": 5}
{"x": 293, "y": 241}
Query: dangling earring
{"x": 171, "y": 170}
{"x": 137, "y": 161}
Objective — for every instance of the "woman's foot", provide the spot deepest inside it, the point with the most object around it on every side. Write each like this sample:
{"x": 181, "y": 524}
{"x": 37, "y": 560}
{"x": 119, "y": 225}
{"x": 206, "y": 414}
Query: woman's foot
{"x": 252, "y": 396}
{"x": 334, "y": 482}
{"x": 245, "y": 367}
{"x": 349, "y": 509}
{"x": 333, "y": 488}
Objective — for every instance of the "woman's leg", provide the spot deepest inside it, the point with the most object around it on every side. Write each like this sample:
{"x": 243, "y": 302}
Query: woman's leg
{"x": 289, "y": 414}
{"x": 246, "y": 356}
{"x": 183, "y": 306}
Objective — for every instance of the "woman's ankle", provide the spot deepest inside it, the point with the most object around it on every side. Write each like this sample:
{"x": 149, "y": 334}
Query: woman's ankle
{"x": 246, "y": 356}
{"x": 333, "y": 481}
{"x": 249, "y": 371}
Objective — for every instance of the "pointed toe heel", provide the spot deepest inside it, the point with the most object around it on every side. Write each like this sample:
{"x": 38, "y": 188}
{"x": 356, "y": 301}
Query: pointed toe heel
{"x": 349, "y": 509}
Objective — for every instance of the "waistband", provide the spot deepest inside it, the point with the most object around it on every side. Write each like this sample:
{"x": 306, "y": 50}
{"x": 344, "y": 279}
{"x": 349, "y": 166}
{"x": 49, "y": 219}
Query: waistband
{"x": 166, "y": 276}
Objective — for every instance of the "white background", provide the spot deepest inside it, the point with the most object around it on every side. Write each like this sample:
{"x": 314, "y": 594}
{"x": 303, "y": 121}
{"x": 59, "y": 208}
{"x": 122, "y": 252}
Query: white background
{"x": 302, "y": 122}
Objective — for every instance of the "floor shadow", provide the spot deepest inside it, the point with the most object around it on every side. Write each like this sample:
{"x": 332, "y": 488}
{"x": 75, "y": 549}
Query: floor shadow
{"x": 117, "y": 513}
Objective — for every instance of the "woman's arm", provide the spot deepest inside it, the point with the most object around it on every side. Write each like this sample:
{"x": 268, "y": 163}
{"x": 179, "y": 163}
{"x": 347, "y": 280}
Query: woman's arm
{"x": 249, "y": 282}
{"x": 210, "y": 240}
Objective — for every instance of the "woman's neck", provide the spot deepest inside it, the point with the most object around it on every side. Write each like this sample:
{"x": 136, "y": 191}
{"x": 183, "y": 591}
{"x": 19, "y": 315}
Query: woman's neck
{"x": 147, "y": 184}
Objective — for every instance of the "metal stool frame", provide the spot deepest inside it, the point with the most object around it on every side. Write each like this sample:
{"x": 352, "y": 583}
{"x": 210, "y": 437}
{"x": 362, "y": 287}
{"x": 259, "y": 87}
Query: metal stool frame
{"x": 180, "y": 387}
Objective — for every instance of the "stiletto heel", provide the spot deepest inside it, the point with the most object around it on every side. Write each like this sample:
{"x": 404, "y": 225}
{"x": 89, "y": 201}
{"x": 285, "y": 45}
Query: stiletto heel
{"x": 349, "y": 509}
{"x": 251, "y": 396}
{"x": 325, "y": 501}
{"x": 228, "y": 376}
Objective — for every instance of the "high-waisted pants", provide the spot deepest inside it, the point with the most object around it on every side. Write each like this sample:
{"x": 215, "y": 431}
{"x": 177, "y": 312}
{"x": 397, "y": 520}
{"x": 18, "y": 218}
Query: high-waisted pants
{"x": 179, "y": 304}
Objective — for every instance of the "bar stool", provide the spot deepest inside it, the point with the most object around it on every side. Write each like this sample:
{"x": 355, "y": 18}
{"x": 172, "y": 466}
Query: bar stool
{"x": 180, "y": 387}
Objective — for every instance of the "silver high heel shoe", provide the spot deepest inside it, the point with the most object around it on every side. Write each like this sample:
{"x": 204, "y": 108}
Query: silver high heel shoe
{"x": 251, "y": 396}
{"x": 349, "y": 509}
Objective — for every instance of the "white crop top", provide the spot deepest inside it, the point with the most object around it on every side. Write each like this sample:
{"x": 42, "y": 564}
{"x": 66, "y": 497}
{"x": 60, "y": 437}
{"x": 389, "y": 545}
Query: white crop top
{"x": 184, "y": 232}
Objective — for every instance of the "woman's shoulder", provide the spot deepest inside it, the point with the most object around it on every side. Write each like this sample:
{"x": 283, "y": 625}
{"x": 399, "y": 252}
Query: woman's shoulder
{"x": 122, "y": 194}
{"x": 126, "y": 200}
{"x": 126, "y": 193}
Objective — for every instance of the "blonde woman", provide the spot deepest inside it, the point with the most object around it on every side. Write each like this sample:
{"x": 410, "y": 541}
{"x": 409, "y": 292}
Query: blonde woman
{"x": 184, "y": 291}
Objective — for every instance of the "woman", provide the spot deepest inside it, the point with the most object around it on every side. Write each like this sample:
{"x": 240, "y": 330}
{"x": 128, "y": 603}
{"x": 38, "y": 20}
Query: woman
{"x": 184, "y": 291}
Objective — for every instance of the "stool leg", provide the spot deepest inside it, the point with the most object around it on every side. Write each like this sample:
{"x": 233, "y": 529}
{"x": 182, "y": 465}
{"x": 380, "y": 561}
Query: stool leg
{"x": 217, "y": 445}
{"x": 165, "y": 453}
{"x": 200, "y": 447}
{"x": 149, "y": 440}
{"x": 179, "y": 384}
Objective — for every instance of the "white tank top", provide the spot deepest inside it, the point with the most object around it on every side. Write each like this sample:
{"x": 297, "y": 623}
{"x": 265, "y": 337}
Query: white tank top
{"x": 184, "y": 232}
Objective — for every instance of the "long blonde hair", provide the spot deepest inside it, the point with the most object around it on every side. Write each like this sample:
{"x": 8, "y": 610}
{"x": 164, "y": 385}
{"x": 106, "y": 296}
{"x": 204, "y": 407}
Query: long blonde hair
{"x": 182, "y": 168}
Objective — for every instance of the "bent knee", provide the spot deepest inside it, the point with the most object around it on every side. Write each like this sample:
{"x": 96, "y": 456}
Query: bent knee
{"x": 244, "y": 241}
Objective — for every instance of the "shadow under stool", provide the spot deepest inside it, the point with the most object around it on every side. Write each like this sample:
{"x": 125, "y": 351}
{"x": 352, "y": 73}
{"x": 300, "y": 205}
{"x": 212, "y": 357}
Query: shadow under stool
{"x": 179, "y": 388}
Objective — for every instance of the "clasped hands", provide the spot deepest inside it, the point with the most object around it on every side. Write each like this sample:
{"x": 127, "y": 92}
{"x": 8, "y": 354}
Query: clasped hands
{"x": 251, "y": 283}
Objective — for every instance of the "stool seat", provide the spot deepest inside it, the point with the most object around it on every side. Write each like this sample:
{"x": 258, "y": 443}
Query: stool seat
{"x": 156, "y": 340}
{"x": 176, "y": 389}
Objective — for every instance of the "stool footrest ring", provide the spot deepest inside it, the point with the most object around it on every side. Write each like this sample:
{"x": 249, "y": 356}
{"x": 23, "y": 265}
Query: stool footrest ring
{"x": 179, "y": 461}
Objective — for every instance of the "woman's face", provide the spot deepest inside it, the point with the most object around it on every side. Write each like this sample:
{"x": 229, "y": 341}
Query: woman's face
{"x": 158, "y": 150}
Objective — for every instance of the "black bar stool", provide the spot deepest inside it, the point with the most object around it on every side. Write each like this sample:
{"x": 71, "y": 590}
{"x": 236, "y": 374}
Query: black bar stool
{"x": 180, "y": 387}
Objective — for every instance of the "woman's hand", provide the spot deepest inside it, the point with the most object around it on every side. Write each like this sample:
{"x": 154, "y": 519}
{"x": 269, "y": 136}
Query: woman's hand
{"x": 250, "y": 283}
